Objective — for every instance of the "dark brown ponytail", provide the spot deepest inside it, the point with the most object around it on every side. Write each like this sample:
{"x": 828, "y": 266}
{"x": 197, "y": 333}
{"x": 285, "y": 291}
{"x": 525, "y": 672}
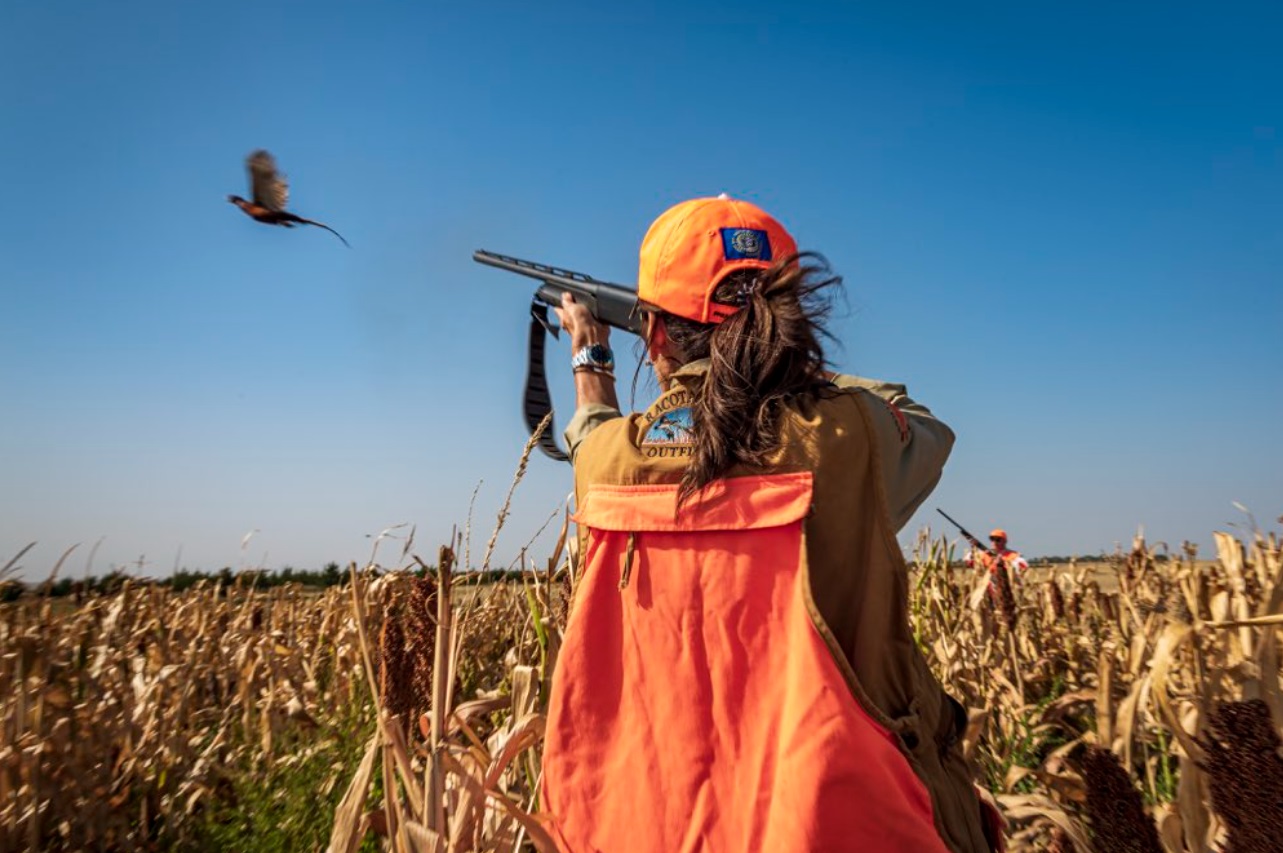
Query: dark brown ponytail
{"x": 759, "y": 357}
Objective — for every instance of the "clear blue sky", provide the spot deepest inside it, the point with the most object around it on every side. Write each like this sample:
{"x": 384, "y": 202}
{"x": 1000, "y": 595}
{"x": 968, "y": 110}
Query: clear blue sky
{"x": 1061, "y": 225}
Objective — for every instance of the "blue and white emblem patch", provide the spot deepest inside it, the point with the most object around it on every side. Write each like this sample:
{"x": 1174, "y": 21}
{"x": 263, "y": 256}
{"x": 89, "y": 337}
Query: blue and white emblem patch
{"x": 746, "y": 243}
{"x": 672, "y": 427}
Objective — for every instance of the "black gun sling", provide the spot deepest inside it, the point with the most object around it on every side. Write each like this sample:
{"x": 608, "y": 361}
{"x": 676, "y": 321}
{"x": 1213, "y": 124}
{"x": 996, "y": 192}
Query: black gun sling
{"x": 537, "y": 402}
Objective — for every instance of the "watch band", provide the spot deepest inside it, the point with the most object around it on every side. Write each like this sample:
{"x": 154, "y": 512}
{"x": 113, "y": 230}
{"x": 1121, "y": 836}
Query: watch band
{"x": 595, "y": 357}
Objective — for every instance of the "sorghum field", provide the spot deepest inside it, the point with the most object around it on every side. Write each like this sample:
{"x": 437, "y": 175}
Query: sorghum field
{"x": 1136, "y": 708}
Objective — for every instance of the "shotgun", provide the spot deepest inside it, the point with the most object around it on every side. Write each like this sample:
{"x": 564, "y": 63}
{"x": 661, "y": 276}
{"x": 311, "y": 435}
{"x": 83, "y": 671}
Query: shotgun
{"x": 973, "y": 540}
{"x": 612, "y": 304}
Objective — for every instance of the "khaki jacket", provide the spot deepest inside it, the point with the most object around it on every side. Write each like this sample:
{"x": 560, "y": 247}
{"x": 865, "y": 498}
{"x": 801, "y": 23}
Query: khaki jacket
{"x": 871, "y": 455}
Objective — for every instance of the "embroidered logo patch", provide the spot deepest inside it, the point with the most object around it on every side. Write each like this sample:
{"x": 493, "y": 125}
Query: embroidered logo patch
{"x": 672, "y": 427}
{"x": 746, "y": 243}
{"x": 667, "y": 427}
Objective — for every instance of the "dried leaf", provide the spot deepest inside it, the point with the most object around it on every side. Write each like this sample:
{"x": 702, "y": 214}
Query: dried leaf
{"x": 347, "y": 818}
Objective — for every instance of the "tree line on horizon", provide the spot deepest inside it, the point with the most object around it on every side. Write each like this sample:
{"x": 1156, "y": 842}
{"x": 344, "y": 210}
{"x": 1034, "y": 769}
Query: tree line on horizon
{"x": 183, "y": 579}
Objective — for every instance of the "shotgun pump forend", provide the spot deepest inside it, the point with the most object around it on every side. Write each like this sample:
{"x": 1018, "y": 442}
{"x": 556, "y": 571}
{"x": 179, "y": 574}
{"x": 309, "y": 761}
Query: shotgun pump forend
{"x": 612, "y": 304}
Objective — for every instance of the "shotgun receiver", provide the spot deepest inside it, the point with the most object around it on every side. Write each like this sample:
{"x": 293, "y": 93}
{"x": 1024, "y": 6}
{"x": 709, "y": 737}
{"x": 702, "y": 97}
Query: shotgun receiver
{"x": 612, "y": 304}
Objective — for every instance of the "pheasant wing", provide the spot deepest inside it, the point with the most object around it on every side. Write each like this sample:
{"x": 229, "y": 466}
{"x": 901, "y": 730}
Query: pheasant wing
{"x": 268, "y": 186}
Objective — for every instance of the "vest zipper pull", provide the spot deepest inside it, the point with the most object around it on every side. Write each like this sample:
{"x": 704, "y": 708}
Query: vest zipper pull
{"x": 627, "y": 571}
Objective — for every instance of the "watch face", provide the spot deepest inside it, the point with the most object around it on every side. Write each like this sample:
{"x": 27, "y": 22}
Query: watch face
{"x": 598, "y": 352}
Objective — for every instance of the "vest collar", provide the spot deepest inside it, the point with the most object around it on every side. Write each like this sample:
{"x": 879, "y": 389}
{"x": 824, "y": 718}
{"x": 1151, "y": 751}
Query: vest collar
{"x": 690, "y": 370}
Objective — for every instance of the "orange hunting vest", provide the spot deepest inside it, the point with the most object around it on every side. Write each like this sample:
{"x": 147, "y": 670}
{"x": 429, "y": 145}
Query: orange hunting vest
{"x": 698, "y": 709}
{"x": 697, "y": 702}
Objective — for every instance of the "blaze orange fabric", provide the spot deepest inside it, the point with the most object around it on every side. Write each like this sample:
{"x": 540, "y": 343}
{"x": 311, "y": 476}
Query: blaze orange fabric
{"x": 692, "y": 246}
{"x": 1004, "y": 555}
{"x": 743, "y": 503}
{"x": 697, "y": 708}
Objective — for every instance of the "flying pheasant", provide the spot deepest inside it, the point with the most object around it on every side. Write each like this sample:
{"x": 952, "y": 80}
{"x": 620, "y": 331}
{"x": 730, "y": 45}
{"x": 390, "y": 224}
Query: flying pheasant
{"x": 271, "y": 194}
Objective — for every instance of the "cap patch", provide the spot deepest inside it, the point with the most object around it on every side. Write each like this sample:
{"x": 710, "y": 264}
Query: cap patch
{"x": 746, "y": 244}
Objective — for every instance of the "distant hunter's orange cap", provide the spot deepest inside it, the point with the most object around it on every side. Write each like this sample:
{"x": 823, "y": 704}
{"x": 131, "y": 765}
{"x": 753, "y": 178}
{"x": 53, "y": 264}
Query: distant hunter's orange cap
{"x": 998, "y": 533}
{"x": 692, "y": 246}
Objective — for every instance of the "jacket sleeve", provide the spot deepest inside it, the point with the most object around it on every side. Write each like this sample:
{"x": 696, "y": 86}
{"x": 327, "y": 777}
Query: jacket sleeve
{"x": 912, "y": 444}
{"x": 586, "y": 419}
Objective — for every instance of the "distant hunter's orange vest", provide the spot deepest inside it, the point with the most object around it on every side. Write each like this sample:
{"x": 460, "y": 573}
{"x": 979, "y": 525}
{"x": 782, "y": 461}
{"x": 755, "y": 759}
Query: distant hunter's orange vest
{"x": 705, "y": 697}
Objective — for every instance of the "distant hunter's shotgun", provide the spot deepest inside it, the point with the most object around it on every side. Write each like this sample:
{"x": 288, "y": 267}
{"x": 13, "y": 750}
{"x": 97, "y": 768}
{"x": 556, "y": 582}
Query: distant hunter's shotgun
{"x": 973, "y": 540}
{"x": 612, "y": 304}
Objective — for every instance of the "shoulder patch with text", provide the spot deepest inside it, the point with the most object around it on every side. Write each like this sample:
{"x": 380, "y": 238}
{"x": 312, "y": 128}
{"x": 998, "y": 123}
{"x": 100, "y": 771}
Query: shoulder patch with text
{"x": 672, "y": 427}
{"x": 667, "y": 427}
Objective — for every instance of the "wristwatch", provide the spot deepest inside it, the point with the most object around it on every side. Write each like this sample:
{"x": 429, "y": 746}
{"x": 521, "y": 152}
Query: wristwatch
{"x": 594, "y": 357}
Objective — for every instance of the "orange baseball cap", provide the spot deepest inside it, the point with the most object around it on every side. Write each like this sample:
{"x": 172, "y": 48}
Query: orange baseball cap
{"x": 998, "y": 533}
{"x": 692, "y": 246}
